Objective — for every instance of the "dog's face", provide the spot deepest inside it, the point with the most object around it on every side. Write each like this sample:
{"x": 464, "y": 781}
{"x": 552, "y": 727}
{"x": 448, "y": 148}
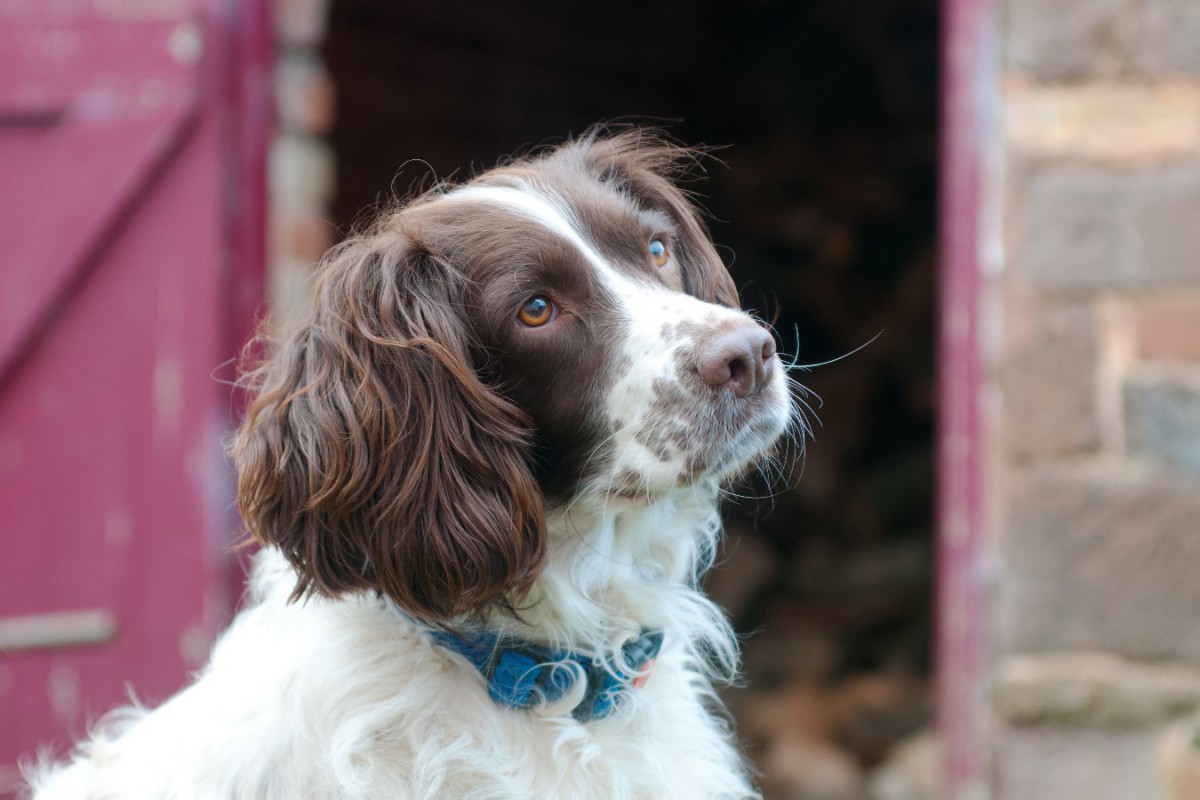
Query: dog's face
{"x": 602, "y": 310}
{"x": 558, "y": 330}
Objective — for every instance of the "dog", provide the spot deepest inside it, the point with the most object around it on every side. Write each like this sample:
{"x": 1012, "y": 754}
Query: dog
{"x": 485, "y": 474}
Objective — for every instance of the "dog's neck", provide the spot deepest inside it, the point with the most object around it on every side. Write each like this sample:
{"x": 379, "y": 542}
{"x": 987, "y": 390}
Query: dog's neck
{"x": 614, "y": 571}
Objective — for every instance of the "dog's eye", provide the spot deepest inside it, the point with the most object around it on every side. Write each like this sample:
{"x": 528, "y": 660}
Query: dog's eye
{"x": 536, "y": 312}
{"x": 658, "y": 252}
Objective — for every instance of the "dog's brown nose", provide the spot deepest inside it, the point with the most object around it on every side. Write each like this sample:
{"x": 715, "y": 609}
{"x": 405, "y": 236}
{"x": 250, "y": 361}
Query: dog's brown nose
{"x": 739, "y": 358}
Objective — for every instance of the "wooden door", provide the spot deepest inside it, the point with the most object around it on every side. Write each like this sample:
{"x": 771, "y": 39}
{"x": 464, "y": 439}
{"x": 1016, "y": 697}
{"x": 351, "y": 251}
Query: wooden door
{"x": 131, "y": 226}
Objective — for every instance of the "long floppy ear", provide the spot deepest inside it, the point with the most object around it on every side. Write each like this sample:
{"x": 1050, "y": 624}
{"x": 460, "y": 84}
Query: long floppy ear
{"x": 650, "y": 167}
{"x": 374, "y": 457}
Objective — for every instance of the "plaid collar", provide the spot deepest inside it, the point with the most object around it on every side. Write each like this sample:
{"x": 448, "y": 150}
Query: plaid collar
{"x": 522, "y": 674}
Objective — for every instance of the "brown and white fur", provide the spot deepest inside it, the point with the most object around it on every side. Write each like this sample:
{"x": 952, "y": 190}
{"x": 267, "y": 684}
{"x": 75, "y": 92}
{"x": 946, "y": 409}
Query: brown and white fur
{"x": 419, "y": 454}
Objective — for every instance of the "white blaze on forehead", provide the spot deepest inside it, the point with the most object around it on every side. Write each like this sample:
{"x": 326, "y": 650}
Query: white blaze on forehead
{"x": 537, "y": 207}
{"x": 648, "y": 305}
{"x": 555, "y": 215}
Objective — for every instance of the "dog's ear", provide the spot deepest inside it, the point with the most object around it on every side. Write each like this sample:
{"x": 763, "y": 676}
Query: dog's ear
{"x": 374, "y": 457}
{"x": 650, "y": 168}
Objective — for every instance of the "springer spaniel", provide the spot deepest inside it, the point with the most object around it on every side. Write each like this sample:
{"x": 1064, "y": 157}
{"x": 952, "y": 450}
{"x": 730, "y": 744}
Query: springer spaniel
{"x": 485, "y": 473}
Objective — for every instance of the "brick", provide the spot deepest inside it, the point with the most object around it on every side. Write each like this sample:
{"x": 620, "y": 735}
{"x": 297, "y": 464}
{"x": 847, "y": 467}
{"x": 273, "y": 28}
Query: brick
{"x": 302, "y": 175}
{"x": 1047, "y": 379}
{"x": 1179, "y": 760}
{"x": 304, "y": 94}
{"x": 1168, "y": 328}
{"x": 301, "y": 23}
{"x": 1067, "y": 39}
{"x": 1093, "y": 559}
{"x": 1082, "y": 228}
{"x": 1162, "y": 421}
{"x": 1169, "y": 40}
{"x": 1093, "y": 689}
{"x": 1123, "y": 124}
{"x": 1072, "y": 231}
{"x": 1165, "y": 214}
{"x": 1070, "y": 764}
{"x": 304, "y": 238}
{"x": 290, "y": 292}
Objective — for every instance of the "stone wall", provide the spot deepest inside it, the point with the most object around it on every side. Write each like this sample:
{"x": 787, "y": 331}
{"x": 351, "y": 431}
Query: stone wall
{"x": 302, "y": 171}
{"x": 1096, "y": 364}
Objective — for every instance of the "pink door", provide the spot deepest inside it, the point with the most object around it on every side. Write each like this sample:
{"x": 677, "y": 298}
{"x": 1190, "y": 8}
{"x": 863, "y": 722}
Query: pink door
{"x": 131, "y": 208}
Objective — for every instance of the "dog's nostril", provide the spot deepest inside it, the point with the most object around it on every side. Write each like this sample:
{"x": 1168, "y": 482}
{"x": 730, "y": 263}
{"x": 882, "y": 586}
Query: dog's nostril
{"x": 737, "y": 368}
{"x": 740, "y": 375}
{"x": 768, "y": 348}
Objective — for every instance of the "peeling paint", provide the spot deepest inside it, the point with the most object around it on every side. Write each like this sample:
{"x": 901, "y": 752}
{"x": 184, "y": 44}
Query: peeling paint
{"x": 63, "y": 691}
{"x": 186, "y": 43}
{"x": 118, "y": 528}
{"x": 194, "y": 645}
{"x": 168, "y": 398}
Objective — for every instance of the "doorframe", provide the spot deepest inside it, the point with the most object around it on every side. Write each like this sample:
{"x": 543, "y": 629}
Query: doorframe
{"x": 970, "y": 99}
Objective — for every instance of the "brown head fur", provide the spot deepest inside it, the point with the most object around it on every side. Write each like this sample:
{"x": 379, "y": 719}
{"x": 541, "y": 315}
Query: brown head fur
{"x": 373, "y": 455}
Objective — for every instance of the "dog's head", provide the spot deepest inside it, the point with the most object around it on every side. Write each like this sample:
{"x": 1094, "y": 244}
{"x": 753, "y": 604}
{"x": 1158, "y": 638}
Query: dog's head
{"x": 556, "y": 330}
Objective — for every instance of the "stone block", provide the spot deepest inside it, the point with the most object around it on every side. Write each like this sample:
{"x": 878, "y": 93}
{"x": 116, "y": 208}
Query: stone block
{"x": 1067, "y": 39}
{"x": 1165, "y": 215}
{"x": 302, "y": 175}
{"x": 1179, "y": 760}
{"x": 1093, "y": 690}
{"x": 1162, "y": 422}
{"x": 1099, "y": 559}
{"x": 301, "y": 23}
{"x": 1115, "y": 123}
{"x": 304, "y": 94}
{"x": 1047, "y": 379}
{"x": 302, "y": 238}
{"x": 1073, "y": 764}
{"x": 1168, "y": 328}
{"x": 1064, "y": 40}
{"x": 1169, "y": 40}
{"x": 1083, "y": 228}
{"x": 290, "y": 293}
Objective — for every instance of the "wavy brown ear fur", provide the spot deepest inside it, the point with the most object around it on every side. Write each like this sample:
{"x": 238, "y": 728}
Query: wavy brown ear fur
{"x": 651, "y": 168}
{"x": 373, "y": 455}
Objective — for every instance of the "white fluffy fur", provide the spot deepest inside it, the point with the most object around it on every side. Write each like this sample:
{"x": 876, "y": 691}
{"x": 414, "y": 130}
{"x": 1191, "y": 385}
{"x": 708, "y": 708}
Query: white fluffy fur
{"x": 350, "y": 699}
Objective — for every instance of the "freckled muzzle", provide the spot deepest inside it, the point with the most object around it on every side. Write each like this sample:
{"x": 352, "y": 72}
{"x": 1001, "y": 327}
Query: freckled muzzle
{"x": 717, "y": 400}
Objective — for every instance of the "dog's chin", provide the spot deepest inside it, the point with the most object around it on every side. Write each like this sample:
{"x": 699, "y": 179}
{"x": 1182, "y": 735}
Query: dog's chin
{"x": 727, "y": 462}
{"x": 754, "y": 440}
{"x": 748, "y": 452}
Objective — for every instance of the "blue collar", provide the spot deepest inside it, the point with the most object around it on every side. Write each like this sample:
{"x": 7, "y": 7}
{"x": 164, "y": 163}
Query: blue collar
{"x": 522, "y": 674}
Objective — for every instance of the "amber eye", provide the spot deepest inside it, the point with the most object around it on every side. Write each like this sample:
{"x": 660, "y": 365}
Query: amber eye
{"x": 536, "y": 312}
{"x": 658, "y": 252}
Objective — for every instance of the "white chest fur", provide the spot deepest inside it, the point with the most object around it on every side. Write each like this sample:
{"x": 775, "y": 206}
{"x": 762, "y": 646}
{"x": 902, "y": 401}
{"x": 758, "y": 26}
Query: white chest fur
{"x": 349, "y": 699}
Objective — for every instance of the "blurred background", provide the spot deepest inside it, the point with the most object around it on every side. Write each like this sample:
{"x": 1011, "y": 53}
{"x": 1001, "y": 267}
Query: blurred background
{"x": 1004, "y": 192}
